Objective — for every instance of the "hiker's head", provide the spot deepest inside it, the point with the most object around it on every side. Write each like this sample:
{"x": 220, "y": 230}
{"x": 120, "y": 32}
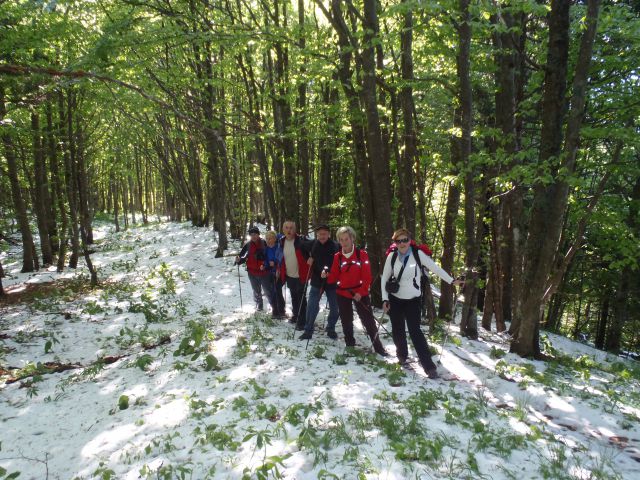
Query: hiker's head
{"x": 323, "y": 233}
{"x": 347, "y": 238}
{"x": 271, "y": 238}
{"x": 254, "y": 233}
{"x": 289, "y": 229}
{"x": 402, "y": 237}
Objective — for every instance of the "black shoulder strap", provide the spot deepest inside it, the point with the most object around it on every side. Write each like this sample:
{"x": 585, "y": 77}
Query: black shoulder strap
{"x": 416, "y": 254}
{"x": 394, "y": 257}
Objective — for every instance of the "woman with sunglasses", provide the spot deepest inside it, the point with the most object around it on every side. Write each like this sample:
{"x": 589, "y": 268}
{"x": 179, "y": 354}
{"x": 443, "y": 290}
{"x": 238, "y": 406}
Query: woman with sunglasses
{"x": 401, "y": 296}
{"x": 351, "y": 273}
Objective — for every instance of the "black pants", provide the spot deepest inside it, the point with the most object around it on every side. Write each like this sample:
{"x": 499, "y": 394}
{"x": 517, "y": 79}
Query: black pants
{"x": 277, "y": 299}
{"x": 363, "y": 307}
{"x": 298, "y": 301}
{"x": 408, "y": 311}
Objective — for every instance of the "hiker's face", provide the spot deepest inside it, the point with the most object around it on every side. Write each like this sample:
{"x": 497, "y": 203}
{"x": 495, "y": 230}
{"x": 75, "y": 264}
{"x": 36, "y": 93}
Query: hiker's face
{"x": 322, "y": 236}
{"x": 289, "y": 229}
{"x": 271, "y": 240}
{"x": 255, "y": 237}
{"x": 345, "y": 242}
{"x": 403, "y": 244}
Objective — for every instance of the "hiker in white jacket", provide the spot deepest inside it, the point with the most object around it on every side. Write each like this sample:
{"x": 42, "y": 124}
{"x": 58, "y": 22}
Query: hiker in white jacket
{"x": 401, "y": 297}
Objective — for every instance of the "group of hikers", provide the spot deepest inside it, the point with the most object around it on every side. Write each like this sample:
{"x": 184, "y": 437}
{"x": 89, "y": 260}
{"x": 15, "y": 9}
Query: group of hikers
{"x": 342, "y": 272}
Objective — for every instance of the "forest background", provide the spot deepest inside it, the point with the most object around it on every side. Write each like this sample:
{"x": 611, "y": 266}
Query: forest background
{"x": 504, "y": 134}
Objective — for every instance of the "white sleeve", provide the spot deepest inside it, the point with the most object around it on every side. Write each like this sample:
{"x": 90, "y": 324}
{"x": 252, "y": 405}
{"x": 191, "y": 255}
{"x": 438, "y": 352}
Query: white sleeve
{"x": 386, "y": 273}
{"x": 434, "y": 267}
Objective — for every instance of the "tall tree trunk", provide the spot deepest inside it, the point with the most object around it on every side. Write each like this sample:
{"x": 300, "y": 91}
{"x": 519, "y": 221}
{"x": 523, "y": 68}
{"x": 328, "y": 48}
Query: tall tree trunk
{"x": 71, "y": 175}
{"x": 380, "y": 173}
{"x": 82, "y": 184}
{"x": 603, "y": 320}
{"x": 409, "y": 156}
{"x": 468, "y": 323}
{"x": 41, "y": 191}
{"x": 54, "y": 192}
{"x": 29, "y": 258}
{"x": 303, "y": 142}
{"x": 549, "y": 203}
{"x": 57, "y": 181}
{"x": 620, "y": 311}
{"x": 326, "y": 152}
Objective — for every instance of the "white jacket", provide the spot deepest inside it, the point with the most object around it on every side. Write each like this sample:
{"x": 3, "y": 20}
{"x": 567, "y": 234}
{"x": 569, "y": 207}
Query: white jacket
{"x": 411, "y": 276}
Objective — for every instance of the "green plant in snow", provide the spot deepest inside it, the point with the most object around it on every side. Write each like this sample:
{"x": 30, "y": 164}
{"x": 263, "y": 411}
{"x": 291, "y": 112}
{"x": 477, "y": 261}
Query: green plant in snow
{"x": 143, "y": 361}
{"x": 297, "y": 413}
{"x": 419, "y": 449}
{"x": 258, "y": 390}
{"x": 340, "y": 359}
{"x": 52, "y": 340}
{"x": 499, "y": 441}
{"x": 200, "y": 409}
{"x": 268, "y": 469}
{"x": 396, "y": 377}
{"x": 220, "y": 437}
{"x": 267, "y": 412}
{"x": 497, "y": 353}
{"x": 167, "y": 472}
{"x": 423, "y": 402}
{"x": 103, "y": 472}
{"x": 195, "y": 342}
{"x": 318, "y": 352}
{"x": 243, "y": 347}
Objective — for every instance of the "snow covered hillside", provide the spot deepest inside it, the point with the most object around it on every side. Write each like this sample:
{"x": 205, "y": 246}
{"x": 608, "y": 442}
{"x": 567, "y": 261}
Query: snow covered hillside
{"x": 158, "y": 373}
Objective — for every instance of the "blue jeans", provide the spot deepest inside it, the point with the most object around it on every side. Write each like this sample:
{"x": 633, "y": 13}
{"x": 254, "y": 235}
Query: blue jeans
{"x": 313, "y": 307}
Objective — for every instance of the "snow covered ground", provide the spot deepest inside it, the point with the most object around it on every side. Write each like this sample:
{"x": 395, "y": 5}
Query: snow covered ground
{"x": 169, "y": 378}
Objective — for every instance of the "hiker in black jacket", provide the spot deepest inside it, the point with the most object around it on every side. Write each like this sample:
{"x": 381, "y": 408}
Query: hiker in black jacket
{"x": 322, "y": 250}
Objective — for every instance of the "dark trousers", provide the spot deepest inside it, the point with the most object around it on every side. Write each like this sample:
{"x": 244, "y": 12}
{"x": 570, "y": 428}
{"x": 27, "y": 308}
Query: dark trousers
{"x": 260, "y": 283}
{"x": 363, "y": 307}
{"x": 408, "y": 311}
{"x": 298, "y": 301}
{"x": 277, "y": 299}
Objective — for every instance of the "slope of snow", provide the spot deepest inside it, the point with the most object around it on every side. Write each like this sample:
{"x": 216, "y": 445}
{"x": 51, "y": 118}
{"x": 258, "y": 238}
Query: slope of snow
{"x": 142, "y": 401}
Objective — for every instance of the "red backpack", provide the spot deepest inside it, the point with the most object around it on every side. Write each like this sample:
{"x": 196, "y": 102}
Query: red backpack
{"x": 424, "y": 247}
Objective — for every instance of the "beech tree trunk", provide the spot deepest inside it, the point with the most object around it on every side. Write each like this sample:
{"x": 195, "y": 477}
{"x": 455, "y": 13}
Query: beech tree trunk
{"x": 29, "y": 257}
{"x": 550, "y": 200}
{"x": 42, "y": 200}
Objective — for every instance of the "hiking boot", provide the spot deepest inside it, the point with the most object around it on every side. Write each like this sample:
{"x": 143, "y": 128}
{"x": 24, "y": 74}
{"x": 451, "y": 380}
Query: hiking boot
{"x": 403, "y": 361}
{"x": 299, "y": 327}
{"x": 382, "y": 353}
{"x": 433, "y": 374}
{"x": 305, "y": 336}
{"x": 332, "y": 334}
{"x": 292, "y": 320}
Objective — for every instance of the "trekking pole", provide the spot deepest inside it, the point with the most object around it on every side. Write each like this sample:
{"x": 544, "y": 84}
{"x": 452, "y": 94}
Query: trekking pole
{"x": 240, "y": 287}
{"x": 304, "y": 295}
{"x": 453, "y": 319}
{"x": 375, "y": 320}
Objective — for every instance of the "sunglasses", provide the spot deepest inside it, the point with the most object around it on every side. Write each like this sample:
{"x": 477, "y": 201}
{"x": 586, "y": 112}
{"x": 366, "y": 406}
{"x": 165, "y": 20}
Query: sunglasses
{"x": 402, "y": 240}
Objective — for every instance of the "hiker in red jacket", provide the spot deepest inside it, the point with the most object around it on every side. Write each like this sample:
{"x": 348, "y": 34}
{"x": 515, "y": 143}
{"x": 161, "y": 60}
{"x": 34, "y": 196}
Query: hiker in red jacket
{"x": 253, "y": 254}
{"x": 351, "y": 273}
{"x": 294, "y": 271}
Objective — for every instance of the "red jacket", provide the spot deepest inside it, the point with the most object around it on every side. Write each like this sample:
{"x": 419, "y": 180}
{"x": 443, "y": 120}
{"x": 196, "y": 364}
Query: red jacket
{"x": 254, "y": 254}
{"x": 351, "y": 275}
{"x": 301, "y": 255}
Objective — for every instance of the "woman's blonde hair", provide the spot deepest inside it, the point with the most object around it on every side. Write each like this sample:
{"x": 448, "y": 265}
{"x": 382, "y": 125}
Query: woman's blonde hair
{"x": 400, "y": 232}
{"x": 348, "y": 230}
{"x": 271, "y": 233}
